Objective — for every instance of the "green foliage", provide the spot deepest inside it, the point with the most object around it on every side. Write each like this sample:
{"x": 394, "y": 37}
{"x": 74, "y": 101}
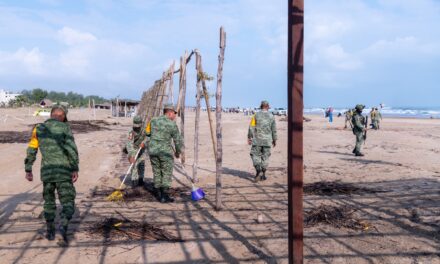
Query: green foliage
{"x": 73, "y": 99}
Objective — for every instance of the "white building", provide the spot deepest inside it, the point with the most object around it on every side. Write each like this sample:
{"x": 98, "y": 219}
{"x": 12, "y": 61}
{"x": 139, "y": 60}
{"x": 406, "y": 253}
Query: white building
{"x": 6, "y": 97}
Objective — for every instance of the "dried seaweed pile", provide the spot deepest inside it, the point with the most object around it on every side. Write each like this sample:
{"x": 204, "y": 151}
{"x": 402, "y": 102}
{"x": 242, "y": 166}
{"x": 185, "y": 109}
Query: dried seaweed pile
{"x": 139, "y": 194}
{"x": 335, "y": 216}
{"x": 123, "y": 228}
{"x": 15, "y": 136}
{"x": 85, "y": 126}
{"x": 335, "y": 188}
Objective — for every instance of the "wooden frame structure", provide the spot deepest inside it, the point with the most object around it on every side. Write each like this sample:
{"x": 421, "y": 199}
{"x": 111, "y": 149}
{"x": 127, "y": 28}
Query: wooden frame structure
{"x": 154, "y": 98}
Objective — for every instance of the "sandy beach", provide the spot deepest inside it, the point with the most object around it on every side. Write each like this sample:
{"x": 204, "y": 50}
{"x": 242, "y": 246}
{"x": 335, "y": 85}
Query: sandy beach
{"x": 399, "y": 207}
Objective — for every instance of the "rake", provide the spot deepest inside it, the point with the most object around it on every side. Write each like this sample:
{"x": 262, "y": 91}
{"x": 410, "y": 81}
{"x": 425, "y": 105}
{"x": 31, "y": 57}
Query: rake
{"x": 117, "y": 195}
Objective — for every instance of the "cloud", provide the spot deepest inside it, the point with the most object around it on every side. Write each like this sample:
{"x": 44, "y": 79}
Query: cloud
{"x": 71, "y": 36}
{"x": 22, "y": 61}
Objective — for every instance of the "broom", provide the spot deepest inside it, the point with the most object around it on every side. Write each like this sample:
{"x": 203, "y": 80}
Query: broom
{"x": 196, "y": 193}
{"x": 117, "y": 195}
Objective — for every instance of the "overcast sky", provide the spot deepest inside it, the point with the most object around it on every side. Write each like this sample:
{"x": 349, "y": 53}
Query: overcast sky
{"x": 356, "y": 51}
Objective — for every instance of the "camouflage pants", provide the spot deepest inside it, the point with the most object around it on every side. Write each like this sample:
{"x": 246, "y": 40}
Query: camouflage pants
{"x": 66, "y": 195}
{"x": 376, "y": 123}
{"x": 162, "y": 170}
{"x": 260, "y": 156}
{"x": 359, "y": 142}
{"x": 138, "y": 168}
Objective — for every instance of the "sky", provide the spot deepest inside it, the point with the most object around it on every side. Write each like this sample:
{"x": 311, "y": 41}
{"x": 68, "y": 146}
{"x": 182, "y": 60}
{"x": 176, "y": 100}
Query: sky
{"x": 356, "y": 51}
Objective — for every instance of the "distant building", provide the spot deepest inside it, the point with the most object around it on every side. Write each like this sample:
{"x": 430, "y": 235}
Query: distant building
{"x": 6, "y": 97}
{"x": 124, "y": 107}
{"x": 103, "y": 106}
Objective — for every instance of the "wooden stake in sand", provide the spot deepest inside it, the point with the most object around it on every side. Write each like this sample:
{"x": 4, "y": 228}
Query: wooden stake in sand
{"x": 197, "y": 121}
{"x": 218, "y": 110}
{"x": 182, "y": 88}
{"x": 200, "y": 74}
{"x": 171, "y": 84}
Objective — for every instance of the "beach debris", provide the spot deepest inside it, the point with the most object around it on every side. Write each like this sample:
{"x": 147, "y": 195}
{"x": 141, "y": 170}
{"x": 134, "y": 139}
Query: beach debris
{"x": 328, "y": 188}
{"x": 139, "y": 194}
{"x": 120, "y": 228}
{"x": 338, "y": 217}
{"x": 260, "y": 218}
{"x": 15, "y": 136}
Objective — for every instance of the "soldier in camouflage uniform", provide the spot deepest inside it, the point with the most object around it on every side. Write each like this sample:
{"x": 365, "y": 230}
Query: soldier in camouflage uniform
{"x": 136, "y": 140}
{"x": 348, "y": 116}
{"x": 59, "y": 167}
{"x": 358, "y": 121}
{"x": 262, "y": 134}
{"x": 162, "y": 131}
{"x": 377, "y": 119}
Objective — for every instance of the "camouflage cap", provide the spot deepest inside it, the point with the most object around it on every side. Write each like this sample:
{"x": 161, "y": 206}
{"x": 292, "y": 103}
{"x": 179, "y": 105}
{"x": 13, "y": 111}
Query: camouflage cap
{"x": 60, "y": 106}
{"x": 360, "y": 107}
{"x": 137, "y": 121}
{"x": 169, "y": 107}
{"x": 263, "y": 103}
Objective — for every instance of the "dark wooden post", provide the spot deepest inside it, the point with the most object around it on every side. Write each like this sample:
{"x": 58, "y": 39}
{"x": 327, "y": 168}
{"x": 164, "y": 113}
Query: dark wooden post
{"x": 197, "y": 121}
{"x": 295, "y": 128}
{"x": 218, "y": 110}
{"x": 182, "y": 85}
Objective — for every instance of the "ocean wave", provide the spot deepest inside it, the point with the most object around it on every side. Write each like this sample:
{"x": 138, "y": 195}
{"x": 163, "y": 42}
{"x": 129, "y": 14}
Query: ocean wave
{"x": 386, "y": 111}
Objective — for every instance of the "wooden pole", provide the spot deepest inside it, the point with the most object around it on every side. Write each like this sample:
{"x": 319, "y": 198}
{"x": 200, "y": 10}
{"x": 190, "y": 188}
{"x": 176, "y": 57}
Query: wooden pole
{"x": 200, "y": 74}
{"x": 182, "y": 86}
{"x": 218, "y": 110}
{"x": 163, "y": 90}
{"x": 117, "y": 106}
{"x": 171, "y": 84}
{"x": 125, "y": 108}
{"x": 295, "y": 129}
{"x": 197, "y": 121}
{"x": 94, "y": 110}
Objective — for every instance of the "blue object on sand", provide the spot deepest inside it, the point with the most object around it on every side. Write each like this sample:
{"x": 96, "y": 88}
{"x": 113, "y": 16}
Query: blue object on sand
{"x": 197, "y": 193}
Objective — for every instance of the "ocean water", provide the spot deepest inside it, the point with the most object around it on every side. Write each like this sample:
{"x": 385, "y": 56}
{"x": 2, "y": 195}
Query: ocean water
{"x": 414, "y": 112}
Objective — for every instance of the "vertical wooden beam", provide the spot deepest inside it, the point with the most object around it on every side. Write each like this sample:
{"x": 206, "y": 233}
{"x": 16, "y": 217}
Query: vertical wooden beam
{"x": 218, "y": 110}
{"x": 171, "y": 83}
{"x": 182, "y": 86}
{"x": 200, "y": 74}
{"x": 197, "y": 120}
{"x": 295, "y": 129}
{"x": 125, "y": 108}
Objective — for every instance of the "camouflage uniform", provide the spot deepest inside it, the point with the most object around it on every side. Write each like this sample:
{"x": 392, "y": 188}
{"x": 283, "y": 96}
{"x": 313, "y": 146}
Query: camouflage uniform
{"x": 377, "y": 118}
{"x": 161, "y": 131}
{"x": 136, "y": 137}
{"x": 358, "y": 121}
{"x": 59, "y": 159}
{"x": 373, "y": 115}
{"x": 262, "y": 131}
{"x": 348, "y": 116}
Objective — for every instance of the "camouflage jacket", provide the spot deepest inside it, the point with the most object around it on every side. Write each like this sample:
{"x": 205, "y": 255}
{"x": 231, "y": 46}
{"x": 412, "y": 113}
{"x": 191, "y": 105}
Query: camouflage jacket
{"x": 161, "y": 131}
{"x": 58, "y": 151}
{"x": 262, "y": 130}
{"x": 358, "y": 121}
{"x": 134, "y": 141}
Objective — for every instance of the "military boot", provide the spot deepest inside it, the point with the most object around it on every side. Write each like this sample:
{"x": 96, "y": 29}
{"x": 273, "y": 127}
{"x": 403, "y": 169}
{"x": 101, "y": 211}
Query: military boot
{"x": 63, "y": 231}
{"x": 157, "y": 193}
{"x": 166, "y": 196}
{"x": 134, "y": 184}
{"x": 141, "y": 182}
{"x": 359, "y": 154}
{"x": 257, "y": 176}
{"x": 50, "y": 235}
{"x": 263, "y": 177}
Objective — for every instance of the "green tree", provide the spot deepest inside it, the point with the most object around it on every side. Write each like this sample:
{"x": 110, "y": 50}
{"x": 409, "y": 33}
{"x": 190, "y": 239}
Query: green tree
{"x": 38, "y": 95}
